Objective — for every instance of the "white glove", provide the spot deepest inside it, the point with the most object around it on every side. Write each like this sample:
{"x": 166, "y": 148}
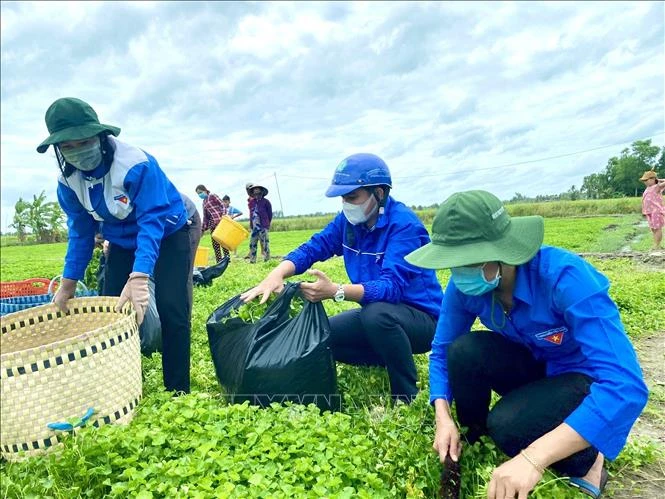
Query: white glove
{"x": 137, "y": 292}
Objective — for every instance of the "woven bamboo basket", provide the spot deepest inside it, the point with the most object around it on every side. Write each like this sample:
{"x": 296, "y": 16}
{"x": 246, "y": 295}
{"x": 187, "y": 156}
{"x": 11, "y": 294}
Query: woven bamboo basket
{"x": 60, "y": 371}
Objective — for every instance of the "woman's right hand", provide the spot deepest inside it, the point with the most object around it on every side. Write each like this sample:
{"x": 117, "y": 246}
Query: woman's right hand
{"x": 447, "y": 440}
{"x": 273, "y": 283}
{"x": 65, "y": 291}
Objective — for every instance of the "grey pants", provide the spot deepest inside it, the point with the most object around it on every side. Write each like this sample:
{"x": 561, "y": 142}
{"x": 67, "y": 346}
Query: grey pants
{"x": 259, "y": 235}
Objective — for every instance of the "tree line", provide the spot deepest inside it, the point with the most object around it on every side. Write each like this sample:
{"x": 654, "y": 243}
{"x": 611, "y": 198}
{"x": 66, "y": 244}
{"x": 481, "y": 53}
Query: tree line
{"x": 620, "y": 178}
{"x": 45, "y": 220}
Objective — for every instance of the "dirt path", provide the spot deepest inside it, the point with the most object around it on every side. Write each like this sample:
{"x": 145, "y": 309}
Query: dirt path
{"x": 651, "y": 258}
{"x": 649, "y": 481}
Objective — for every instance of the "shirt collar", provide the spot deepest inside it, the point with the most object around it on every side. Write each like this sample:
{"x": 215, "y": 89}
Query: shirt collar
{"x": 522, "y": 289}
{"x": 382, "y": 220}
{"x": 97, "y": 173}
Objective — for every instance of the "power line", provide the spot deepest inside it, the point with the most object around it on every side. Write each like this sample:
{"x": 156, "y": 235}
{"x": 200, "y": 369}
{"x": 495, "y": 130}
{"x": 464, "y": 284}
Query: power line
{"x": 504, "y": 165}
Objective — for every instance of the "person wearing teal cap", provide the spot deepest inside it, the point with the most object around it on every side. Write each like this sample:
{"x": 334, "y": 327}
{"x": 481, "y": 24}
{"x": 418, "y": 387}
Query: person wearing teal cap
{"x": 556, "y": 350}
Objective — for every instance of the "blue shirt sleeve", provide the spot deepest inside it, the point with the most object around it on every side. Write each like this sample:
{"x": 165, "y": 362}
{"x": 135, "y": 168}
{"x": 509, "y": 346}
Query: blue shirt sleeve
{"x": 619, "y": 393}
{"x": 319, "y": 248}
{"x": 454, "y": 321}
{"x": 81, "y": 228}
{"x": 148, "y": 189}
{"x": 396, "y": 272}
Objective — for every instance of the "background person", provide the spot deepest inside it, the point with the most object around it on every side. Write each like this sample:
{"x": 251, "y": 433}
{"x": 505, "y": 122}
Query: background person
{"x": 213, "y": 211}
{"x": 106, "y": 180}
{"x": 557, "y": 353}
{"x": 653, "y": 207}
{"x": 194, "y": 222}
{"x": 233, "y": 213}
{"x": 399, "y": 302}
{"x": 260, "y": 218}
{"x": 230, "y": 210}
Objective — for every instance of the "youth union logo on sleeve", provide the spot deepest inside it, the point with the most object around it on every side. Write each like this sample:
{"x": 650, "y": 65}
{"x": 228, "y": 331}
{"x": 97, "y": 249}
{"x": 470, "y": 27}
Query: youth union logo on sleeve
{"x": 122, "y": 198}
{"x": 553, "y": 335}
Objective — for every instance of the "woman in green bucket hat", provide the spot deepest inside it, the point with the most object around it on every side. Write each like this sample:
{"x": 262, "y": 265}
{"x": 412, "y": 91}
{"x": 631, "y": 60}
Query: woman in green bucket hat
{"x": 106, "y": 182}
{"x": 556, "y": 350}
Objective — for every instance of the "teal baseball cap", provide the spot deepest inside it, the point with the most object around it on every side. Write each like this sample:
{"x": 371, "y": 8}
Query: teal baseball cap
{"x": 473, "y": 227}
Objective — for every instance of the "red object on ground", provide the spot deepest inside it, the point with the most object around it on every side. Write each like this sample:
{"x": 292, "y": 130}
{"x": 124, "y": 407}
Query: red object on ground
{"x": 28, "y": 287}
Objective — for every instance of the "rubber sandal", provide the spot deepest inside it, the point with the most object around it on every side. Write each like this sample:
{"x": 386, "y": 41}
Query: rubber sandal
{"x": 589, "y": 489}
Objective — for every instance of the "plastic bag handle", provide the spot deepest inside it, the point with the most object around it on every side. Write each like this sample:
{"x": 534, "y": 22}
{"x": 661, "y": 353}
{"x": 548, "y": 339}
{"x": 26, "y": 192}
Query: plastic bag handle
{"x": 281, "y": 304}
{"x": 65, "y": 426}
{"x": 59, "y": 277}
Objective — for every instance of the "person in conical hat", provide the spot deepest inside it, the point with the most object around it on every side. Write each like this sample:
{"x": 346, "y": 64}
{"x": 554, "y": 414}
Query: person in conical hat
{"x": 260, "y": 218}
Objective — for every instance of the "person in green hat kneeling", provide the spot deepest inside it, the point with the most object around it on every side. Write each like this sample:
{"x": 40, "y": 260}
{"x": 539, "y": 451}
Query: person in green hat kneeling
{"x": 104, "y": 180}
{"x": 556, "y": 351}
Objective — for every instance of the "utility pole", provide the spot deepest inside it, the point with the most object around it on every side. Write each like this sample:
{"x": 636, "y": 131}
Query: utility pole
{"x": 281, "y": 207}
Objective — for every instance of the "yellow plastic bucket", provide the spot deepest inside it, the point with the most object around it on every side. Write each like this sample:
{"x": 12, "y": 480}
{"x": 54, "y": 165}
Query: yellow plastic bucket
{"x": 201, "y": 258}
{"x": 229, "y": 233}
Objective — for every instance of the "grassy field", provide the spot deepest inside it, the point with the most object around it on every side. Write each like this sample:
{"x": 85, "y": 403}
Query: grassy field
{"x": 197, "y": 446}
{"x": 597, "y": 207}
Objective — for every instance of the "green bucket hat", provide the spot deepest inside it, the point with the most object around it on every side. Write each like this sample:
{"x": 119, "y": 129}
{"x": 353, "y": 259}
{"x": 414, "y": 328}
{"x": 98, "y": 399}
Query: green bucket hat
{"x": 473, "y": 227}
{"x": 72, "y": 119}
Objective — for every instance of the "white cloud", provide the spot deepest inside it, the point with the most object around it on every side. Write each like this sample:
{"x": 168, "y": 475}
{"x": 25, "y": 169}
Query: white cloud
{"x": 223, "y": 93}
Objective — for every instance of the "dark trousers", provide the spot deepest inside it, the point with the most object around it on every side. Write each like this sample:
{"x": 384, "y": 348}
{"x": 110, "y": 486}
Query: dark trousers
{"x": 194, "y": 240}
{"x": 386, "y": 335}
{"x": 219, "y": 249}
{"x": 530, "y": 405}
{"x": 173, "y": 276}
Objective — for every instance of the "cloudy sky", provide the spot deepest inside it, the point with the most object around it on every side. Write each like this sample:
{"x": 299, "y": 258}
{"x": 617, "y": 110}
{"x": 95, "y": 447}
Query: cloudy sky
{"x": 451, "y": 95}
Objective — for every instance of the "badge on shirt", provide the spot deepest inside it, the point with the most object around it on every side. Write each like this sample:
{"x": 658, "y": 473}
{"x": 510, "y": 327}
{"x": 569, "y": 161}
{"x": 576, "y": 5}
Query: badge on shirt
{"x": 553, "y": 335}
{"x": 122, "y": 198}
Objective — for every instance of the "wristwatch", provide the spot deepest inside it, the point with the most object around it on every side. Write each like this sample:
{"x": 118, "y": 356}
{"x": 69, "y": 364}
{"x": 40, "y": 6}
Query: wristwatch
{"x": 339, "y": 294}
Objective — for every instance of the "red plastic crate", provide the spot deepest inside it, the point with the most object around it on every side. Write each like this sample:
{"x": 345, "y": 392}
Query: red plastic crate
{"x": 28, "y": 287}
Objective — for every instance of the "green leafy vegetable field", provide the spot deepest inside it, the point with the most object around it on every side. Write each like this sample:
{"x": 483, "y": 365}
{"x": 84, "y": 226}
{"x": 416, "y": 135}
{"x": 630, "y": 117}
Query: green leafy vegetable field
{"x": 199, "y": 446}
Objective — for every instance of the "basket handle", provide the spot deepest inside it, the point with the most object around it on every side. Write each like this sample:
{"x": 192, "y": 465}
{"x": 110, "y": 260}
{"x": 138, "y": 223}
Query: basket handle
{"x": 65, "y": 426}
{"x": 56, "y": 278}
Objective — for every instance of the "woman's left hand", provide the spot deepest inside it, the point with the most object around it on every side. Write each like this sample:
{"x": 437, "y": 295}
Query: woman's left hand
{"x": 514, "y": 478}
{"x": 321, "y": 289}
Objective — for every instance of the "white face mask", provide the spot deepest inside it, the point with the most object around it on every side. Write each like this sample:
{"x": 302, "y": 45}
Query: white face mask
{"x": 360, "y": 213}
{"x": 85, "y": 158}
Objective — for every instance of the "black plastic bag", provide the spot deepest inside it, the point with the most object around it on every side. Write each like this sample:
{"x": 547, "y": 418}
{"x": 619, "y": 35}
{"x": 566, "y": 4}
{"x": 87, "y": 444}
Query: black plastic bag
{"x": 277, "y": 358}
{"x": 204, "y": 276}
{"x": 150, "y": 330}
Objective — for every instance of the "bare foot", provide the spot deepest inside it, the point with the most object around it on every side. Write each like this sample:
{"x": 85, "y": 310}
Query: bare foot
{"x": 593, "y": 476}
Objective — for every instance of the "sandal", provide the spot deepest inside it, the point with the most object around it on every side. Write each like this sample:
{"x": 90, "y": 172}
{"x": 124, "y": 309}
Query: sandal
{"x": 589, "y": 489}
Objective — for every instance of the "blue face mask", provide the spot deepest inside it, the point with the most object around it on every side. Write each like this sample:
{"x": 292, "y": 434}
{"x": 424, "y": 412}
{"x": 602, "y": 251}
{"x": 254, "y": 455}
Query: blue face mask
{"x": 203, "y": 195}
{"x": 471, "y": 280}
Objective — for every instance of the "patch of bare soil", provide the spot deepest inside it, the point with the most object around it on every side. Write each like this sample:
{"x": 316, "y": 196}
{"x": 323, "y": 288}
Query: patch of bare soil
{"x": 652, "y": 260}
{"x": 649, "y": 481}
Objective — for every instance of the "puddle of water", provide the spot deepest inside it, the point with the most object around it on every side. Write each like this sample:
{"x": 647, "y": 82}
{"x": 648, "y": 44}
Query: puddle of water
{"x": 636, "y": 239}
